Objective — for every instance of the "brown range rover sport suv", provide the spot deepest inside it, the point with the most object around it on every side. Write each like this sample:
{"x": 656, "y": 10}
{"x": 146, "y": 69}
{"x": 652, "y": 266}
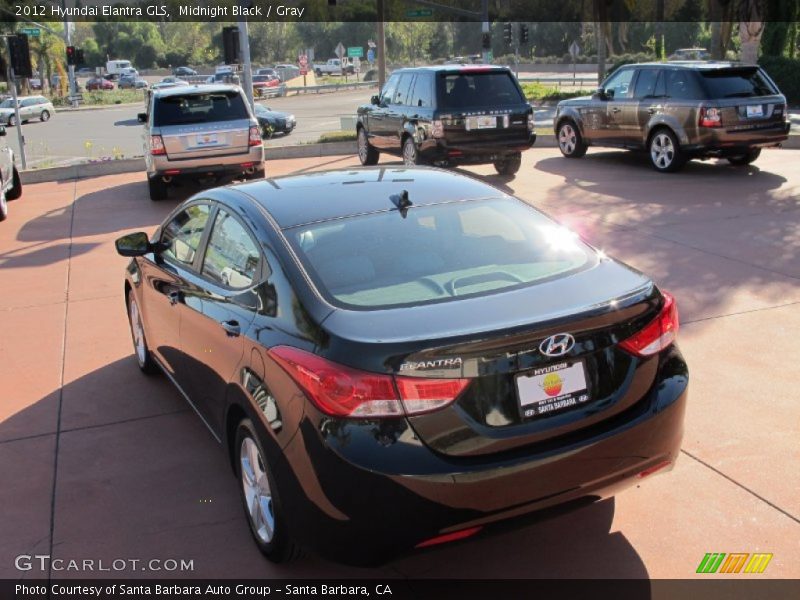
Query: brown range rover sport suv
{"x": 677, "y": 111}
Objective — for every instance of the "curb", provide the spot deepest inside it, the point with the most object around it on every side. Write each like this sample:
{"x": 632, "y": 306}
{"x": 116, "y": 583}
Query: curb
{"x": 132, "y": 165}
{"x": 68, "y": 109}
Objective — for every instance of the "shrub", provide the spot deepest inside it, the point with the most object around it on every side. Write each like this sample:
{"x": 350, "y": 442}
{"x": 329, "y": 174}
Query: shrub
{"x": 783, "y": 72}
{"x": 535, "y": 91}
{"x": 337, "y": 136}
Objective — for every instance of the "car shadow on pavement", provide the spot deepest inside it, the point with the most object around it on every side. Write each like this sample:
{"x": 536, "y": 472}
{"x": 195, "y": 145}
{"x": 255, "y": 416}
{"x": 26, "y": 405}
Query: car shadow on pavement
{"x": 140, "y": 476}
{"x": 127, "y": 123}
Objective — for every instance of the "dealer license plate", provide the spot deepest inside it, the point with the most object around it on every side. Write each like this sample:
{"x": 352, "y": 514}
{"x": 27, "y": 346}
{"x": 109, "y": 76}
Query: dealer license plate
{"x": 483, "y": 122}
{"x": 207, "y": 139}
{"x": 755, "y": 110}
{"x": 552, "y": 389}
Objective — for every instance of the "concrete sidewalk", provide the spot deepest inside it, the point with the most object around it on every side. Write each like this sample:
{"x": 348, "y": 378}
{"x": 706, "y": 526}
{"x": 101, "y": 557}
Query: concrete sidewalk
{"x": 99, "y": 461}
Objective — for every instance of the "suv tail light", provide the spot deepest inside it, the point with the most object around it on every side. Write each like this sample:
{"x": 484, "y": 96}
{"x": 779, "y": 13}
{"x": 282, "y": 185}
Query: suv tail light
{"x": 531, "y": 122}
{"x": 658, "y": 334}
{"x": 255, "y": 136}
{"x": 710, "y": 117}
{"x": 341, "y": 391}
{"x": 157, "y": 145}
{"x": 437, "y": 130}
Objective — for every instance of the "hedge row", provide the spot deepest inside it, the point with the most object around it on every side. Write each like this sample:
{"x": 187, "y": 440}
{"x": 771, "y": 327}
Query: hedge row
{"x": 784, "y": 72}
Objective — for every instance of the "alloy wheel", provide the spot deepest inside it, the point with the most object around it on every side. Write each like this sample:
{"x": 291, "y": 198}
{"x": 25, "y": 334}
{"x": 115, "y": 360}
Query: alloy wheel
{"x": 409, "y": 153}
{"x": 567, "y": 139}
{"x": 137, "y": 331}
{"x": 362, "y": 146}
{"x": 662, "y": 151}
{"x": 257, "y": 491}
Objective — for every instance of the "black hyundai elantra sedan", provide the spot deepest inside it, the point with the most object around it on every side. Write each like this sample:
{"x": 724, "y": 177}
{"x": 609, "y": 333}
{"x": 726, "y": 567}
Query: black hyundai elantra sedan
{"x": 396, "y": 358}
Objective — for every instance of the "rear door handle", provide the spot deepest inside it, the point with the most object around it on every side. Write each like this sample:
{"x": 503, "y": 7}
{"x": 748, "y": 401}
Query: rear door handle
{"x": 174, "y": 297}
{"x": 231, "y": 328}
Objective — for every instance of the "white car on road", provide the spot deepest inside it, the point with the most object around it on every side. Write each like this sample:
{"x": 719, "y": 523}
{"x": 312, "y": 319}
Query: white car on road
{"x": 30, "y": 107}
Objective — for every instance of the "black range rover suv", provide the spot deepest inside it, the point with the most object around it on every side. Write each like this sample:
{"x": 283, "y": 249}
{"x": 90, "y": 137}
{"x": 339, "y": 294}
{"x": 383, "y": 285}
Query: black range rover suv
{"x": 448, "y": 115}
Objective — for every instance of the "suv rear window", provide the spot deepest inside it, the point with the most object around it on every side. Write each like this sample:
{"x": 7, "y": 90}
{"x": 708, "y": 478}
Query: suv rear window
{"x": 475, "y": 88}
{"x": 437, "y": 253}
{"x": 737, "y": 83}
{"x": 199, "y": 108}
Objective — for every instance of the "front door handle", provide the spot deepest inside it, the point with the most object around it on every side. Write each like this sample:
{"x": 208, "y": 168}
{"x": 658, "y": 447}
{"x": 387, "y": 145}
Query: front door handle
{"x": 231, "y": 328}
{"x": 174, "y": 297}
{"x": 651, "y": 110}
{"x": 615, "y": 110}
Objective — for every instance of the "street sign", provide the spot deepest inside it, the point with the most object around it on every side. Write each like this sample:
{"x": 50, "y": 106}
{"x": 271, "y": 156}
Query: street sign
{"x": 371, "y": 55}
{"x": 340, "y": 50}
{"x": 419, "y": 12}
{"x": 355, "y": 52}
{"x": 31, "y": 31}
{"x": 302, "y": 60}
{"x": 574, "y": 49}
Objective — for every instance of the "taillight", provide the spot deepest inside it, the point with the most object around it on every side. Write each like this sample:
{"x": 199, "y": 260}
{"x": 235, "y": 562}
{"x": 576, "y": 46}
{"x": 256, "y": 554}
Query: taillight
{"x": 658, "y": 334}
{"x": 255, "y": 136}
{"x": 157, "y": 145}
{"x": 437, "y": 130}
{"x": 531, "y": 122}
{"x": 341, "y": 391}
{"x": 710, "y": 117}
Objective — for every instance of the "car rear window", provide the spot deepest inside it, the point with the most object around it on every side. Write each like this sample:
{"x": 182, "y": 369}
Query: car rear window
{"x": 476, "y": 88}
{"x": 200, "y": 108}
{"x": 737, "y": 83}
{"x": 436, "y": 253}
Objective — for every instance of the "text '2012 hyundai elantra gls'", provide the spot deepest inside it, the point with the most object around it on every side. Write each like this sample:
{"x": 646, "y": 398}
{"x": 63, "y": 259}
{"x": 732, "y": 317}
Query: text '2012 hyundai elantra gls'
{"x": 396, "y": 358}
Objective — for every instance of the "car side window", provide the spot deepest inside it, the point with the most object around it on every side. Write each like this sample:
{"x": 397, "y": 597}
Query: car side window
{"x": 681, "y": 84}
{"x": 403, "y": 89}
{"x": 619, "y": 84}
{"x": 182, "y": 235}
{"x": 646, "y": 83}
{"x": 388, "y": 90}
{"x": 423, "y": 91}
{"x": 232, "y": 258}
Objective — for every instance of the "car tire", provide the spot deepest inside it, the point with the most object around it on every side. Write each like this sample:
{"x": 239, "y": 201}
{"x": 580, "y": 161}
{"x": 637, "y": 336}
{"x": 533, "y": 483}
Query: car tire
{"x": 509, "y": 165}
{"x": 665, "y": 151}
{"x": 12, "y": 120}
{"x": 570, "y": 141}
{"x": 45, "y": 116}
{"x": 745, "y": 159}
{"x": 410, "y": 152}
{"x": 318, "y": 73}
{"x": 257, "y": 174}
{"x": 157, "y": 188}
{"x": 144, "y": 359}
{"x": 260, "y": 499}
{"x": 3, "y": 206}
{"x": 367, "y": 154}
{"x": 16, "y": 186}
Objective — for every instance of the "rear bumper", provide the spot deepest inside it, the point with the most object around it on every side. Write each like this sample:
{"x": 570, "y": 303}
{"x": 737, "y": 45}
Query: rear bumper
{"x": 473, "y": 152}
{"x": 376, "y": 489}
{"x": 230, "y": 164}
{"x": 727, "y": 142}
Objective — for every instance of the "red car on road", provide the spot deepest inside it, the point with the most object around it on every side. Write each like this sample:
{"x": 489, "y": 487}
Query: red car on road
{"x": 98, "y": 83}
{"x": 263, "y": 83}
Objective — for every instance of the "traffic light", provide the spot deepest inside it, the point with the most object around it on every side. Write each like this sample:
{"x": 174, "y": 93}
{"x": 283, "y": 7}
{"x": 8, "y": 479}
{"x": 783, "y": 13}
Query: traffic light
{"x": 486, "y": 40}
{"x": 79, "y": 58}
{"x": 508, "y": 36}
{"x": 230, "y": 45}
{"x": 20, "y": 55}
{"x": 71, "y": 58}
{"x": 523, "y": 35}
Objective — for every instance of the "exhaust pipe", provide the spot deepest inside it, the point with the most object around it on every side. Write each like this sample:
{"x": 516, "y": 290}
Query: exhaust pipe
{"x": 250, "y": 170}
{"x": 166, "y": 178}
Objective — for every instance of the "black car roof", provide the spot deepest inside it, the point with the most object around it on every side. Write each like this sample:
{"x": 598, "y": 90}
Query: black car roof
{"x": 454, "y": 68}
{"x": 705, "y": 65}
{"x": 319, "y": 196}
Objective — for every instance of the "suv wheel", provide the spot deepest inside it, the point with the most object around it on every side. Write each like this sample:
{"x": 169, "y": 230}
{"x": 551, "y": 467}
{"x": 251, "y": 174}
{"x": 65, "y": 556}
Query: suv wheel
{"x": 410, "y": 154}
{"x": 665, "y": 151}
{"x": 570, "y": 141}
{"x": 158, "y": 189}
{"x": 509, "y": 165}
{"x": 45, "y": 116}
{"x": 12, "y": 120}
{"x": 746, "y": 158}
{"x": 16, "y": 186}
{"x": 3, "y": 206}
{"x": 142, "y": 352}
{"x": 367, "y": 154}
{"x": 259, "y": 497}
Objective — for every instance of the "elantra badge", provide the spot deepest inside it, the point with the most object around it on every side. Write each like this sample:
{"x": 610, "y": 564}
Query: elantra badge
{"x": 557, "y": 345}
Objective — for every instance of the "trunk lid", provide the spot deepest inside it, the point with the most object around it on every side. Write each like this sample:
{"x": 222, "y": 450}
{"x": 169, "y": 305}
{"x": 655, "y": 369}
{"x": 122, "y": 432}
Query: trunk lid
{"x": 206, "y": 139}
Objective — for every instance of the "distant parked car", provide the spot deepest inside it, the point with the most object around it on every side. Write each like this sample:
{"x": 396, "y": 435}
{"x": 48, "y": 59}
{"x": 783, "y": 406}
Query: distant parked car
{"x": 676, "y": 112}
{"x": 30, "y": 107}
{"x": 263, "y": 83}
{"x": 287, "y": 72}
{"x": 99, "y": 83}
{"x": 273, "y": 121}
{"x": 133, "y": 82}
{"x": 184, "y": 72}
{"x": 10, "y": 183}
{"x": 169, "y": 82}
{"x": 85, "y": 71}
{"x": 35, "y": 83}
{"x": 266, "y": 71}
{"x": 690, "y": 54}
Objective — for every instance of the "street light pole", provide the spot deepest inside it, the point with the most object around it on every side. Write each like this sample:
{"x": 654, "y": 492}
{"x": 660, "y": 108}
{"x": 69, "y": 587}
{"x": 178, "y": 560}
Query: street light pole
{"x": 381, "y": 49}
{"x": 73, "y": 88}
{"x": 247, "y": 68}
{"x": 485, "y": 28}
{"x": 12, "y": 83}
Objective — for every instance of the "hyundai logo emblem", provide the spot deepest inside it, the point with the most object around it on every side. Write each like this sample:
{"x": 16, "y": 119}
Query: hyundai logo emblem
{"x": 557, "y": 345}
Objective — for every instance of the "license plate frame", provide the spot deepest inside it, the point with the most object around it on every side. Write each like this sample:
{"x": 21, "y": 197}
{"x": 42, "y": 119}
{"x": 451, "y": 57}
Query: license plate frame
{"x": 481, "y": 122}
{"x": 754, "y": 111}
{"x": 567, "y": 388}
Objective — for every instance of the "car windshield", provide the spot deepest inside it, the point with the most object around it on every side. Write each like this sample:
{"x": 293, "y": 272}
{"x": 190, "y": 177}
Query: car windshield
{"x": 199, "y": 108}
{"x": 472, "y": 88}
{"x": 7, "y": 103}
{"x": 261, "y": 78}
{"x": 737, "y": 83}
{"x": 436, "y": 253}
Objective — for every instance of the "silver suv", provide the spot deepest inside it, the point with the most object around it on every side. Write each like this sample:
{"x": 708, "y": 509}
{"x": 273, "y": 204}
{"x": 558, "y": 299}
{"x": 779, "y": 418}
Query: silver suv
{"x": 200, "y": 132}
{"x": 10, "y": 183}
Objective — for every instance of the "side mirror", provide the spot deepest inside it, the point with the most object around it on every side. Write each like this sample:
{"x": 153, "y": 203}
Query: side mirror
{"x": 376, "y": 100}
{"x": 599, "y": 94}
{"x": 134, "y": 244}
{"x": 142, "y": 117}
{"x": 2, "y": 131}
